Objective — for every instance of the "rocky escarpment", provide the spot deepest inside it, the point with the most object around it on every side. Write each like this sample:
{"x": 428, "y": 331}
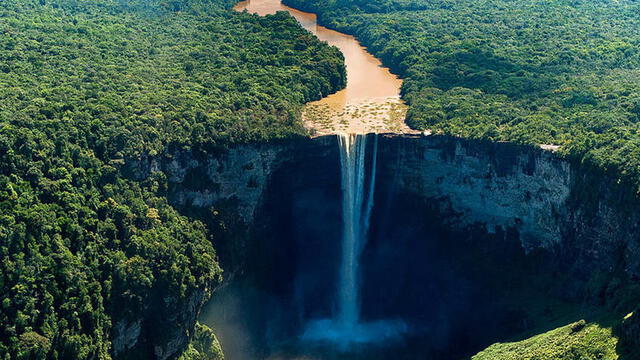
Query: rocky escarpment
{"x": 498, "y": 185}
{"x": 550, "y": 202}
{"x": 467, "y": 211}
{"x": 161, "y": 330}
{"x": 553, "y": 204}
{"x": 223, "y": 188}
{"x": 201, "y": 180}
{"x": 469, "y": 227}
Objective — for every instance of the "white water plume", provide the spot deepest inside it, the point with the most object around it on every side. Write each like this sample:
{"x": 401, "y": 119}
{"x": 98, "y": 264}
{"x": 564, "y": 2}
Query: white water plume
{"x": 352, "y": 151}
{"x": 346, "y": 328}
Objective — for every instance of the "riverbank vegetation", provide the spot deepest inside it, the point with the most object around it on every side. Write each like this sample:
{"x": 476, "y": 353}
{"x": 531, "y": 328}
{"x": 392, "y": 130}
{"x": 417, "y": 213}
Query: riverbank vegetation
{"x": 535, "y": 72}
{"x": 88, "y": 86}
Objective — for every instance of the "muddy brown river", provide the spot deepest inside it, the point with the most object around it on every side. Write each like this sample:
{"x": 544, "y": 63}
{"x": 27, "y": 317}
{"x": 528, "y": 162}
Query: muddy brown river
{"x": 369, "y": 103}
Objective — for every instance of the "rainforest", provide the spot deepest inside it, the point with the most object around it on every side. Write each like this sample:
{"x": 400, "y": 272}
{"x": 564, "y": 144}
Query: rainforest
{"x": 319, "y": 179}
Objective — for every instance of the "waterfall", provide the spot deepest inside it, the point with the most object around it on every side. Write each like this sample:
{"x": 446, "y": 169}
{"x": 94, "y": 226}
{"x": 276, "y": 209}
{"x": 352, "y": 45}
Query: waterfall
{"x": 346, "y": 327}
{"x": 355, "y": 214}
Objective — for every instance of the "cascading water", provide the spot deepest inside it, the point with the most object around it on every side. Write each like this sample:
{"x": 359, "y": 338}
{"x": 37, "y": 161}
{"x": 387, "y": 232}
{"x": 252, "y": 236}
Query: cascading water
{"x": 355, "y": 214}
{"x": 346, "y": 328}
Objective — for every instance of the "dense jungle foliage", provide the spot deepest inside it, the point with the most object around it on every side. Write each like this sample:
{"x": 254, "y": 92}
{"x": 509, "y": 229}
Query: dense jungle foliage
{"x": 559, "y": 72}
{"x": 203, "y": 345}
{"x": 88, "y": 85}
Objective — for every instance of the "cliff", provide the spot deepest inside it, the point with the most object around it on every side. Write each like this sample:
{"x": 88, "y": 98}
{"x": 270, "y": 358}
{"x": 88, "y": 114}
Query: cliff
{"x": 453, "y": 217}
{"x": 569, "y": 209}
{"x": 551, "y": 202}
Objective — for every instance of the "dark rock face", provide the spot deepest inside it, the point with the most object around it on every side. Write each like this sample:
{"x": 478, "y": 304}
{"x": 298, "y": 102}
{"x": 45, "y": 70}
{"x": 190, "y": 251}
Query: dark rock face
{"x": 458, "y": 227}
{"x": 499, "y": 185}
{"x": 288, "y": 269}
{"x": 231, "y": 183}
{"x": 578, "y": 214}
{"x": 161, "y": 331}
{"x": 464, "y": 231}
{"x": 630, "y": 330}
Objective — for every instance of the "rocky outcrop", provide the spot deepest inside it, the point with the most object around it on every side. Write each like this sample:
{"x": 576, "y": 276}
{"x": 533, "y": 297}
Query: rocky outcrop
{"x": 176, "y": 322}
{"x": 499, "y": 185}
{"x": 552, "y": 203}
{"x": 126, "y": 335}
{"x": 238, "y": 174}
{"x": 161, "y": 330}
{"x": 201, "y": 180}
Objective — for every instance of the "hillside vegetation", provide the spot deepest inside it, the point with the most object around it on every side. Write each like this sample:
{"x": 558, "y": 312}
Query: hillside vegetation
{"x": 574, "y": 341}
{"x": 536, "y": 72}
{"x": 87, "y": 85}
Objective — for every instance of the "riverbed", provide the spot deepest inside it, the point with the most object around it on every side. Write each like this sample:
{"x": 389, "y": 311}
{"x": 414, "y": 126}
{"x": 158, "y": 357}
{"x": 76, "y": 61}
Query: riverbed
{"x": 371, "y": 100}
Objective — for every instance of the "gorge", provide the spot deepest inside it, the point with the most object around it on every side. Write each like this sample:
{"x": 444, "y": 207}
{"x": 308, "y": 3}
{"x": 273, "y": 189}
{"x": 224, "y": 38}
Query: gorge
{"x": 471, "y": 242}
{"x": 346, "y": 328}
{"x": 387, "y": 179}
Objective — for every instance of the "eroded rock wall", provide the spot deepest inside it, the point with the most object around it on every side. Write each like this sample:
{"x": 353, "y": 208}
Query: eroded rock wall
{"x": 577, "y": 212}
{"x": 499, "y": 185}
{"x": 224, "y": 188}
{"x": 272, "y": 195}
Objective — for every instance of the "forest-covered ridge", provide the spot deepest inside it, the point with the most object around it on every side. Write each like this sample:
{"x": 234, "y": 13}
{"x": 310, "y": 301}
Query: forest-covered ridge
{"x": 534, "y": 72}
{"x": 87, "y": 85}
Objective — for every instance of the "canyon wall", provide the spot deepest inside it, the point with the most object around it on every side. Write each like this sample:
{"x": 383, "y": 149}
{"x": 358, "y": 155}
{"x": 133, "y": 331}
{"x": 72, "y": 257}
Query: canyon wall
{"x": 223, "y": 188}
{"x": 551, "y": 203}
{"x": 566, "y": 208}
{"x": 468, "y": 211}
